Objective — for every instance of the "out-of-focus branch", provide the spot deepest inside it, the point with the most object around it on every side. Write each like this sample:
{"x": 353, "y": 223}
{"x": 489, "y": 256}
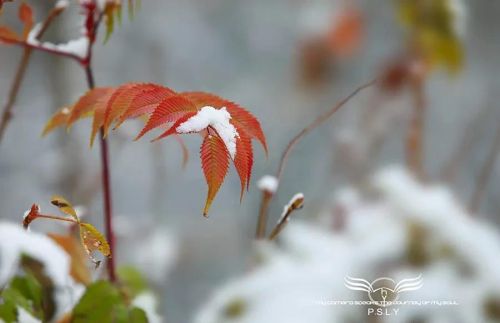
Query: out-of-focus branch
{"x": 267, "y": 199}
{"x": 316, "y": 123}
{"x": 296, "y": 203}
{"x": 485, "y": 174}
{"x": 21, "y": 70}
{"x": 416, "y": 130}
{"x": 451, "y": 168}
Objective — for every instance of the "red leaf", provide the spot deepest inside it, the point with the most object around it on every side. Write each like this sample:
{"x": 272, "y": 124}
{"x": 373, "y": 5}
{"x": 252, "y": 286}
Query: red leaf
{"x": 145, "y": 103}
{"x": 172, "y": 130}
{"x": 243, "y": 160}
{"x": 215, "y": 163}
{"x": 9, "y": 36}
{"x": 26, "y": 16}
{"x": 243, "y": 118}
{"x": 85, "y": 106}
{"x": 169, "y": 110}
{"x": 99, "y": 111}
{"x": 124, "y": 100}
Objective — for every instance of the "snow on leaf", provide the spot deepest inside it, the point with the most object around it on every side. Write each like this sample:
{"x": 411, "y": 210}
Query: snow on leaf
{"x": 173, "y": 129}
{"x": 92, "y": 241}
{"x": 179, "y": 113}
{"x": 239, "y": 115}
{"x": 215, "y": 163}
{"x": 217, "y": 119}
{"x": 64, "y": 206}
{"x": 169, "y": 110}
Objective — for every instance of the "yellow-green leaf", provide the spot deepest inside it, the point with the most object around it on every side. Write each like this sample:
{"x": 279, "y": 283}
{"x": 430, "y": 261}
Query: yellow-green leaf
{"x": 93, "y": 240}
{"x": 64, "y": 206}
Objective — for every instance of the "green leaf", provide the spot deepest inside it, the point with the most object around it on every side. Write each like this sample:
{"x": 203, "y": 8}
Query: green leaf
{"x": 98, "y": 304}
{"x": 137, "y": 315}
{"x": 8, "y": 311}
{"x": 132, "y": 280}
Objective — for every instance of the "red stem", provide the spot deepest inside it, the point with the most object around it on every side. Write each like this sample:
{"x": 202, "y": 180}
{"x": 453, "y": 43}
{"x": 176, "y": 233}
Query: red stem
{"x": 106, "y": 187}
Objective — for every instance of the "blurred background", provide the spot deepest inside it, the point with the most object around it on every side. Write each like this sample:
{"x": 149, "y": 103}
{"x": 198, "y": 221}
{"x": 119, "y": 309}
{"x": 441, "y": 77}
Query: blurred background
{"x": 286, "y": 61}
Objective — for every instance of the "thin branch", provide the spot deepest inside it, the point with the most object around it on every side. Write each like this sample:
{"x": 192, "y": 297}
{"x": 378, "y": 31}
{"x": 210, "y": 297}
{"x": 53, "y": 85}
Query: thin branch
{"x": 261, "y": 226}
{"x": 262, "y": 220}
{"x": 415, "y": 135}
{"x": 316, "y": 123}
{"x": 296, "y": 203}
{"x": 106, "y": 188}
{"x": 450, "y": 169}
{"x": 55, "y": 217}
{"x": 21, "y": 71}
{"x": 485, "y": 174}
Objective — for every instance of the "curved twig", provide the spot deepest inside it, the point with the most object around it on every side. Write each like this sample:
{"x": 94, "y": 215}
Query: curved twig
{"x": 267, "y": 198}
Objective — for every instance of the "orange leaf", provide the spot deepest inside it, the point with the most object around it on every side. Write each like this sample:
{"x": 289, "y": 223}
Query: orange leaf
{"x": 79, "y": 270}
{"x": 144, "y": 103}
{"x": 242, "y": 117}
{"x": 215, "y": 163}
{"x": 9, "y": 36}
{"x": 26, "y": 16}
{"x": 58, "y": 119}
{"x": 243, "y": 160}
{"x": 99, "y": 110}
{"x": 85, "y": 106}
{"x": 345, "y": 35}
{"x": 169, "y": 110}
{"x": 177, "y": 123}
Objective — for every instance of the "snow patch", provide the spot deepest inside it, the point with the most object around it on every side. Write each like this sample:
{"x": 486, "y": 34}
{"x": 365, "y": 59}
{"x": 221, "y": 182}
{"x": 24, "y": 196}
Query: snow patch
{"x": 148, "y": 303}
{"x": 217, "y": 119}
{"x": 296, "y": 198}
{"x": 78, "y": 47}
{"x": 268, "y": 183}
{"x": 61, "y": 4}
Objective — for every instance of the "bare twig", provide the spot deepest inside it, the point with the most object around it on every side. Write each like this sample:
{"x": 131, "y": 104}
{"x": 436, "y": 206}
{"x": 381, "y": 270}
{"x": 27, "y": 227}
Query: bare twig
{"x": 485, "y": 174}
{"x": 451, "y": 168}
{"x": 286, "y": 153}
{"x": 316, "y": 123}
{"x": 296, "y": 203}
{"x": 262, "y": 220}
{"x": 21, "y": 70}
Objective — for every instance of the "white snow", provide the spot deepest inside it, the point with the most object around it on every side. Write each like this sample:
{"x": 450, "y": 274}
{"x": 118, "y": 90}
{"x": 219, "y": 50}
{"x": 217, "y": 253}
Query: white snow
{"x": 77, "y": 47}
{"x": 15, "y": 242}
{"x": 268, "y": 183}
{"x": 61, "y": 4}
{"x": 309, "y": 265}
{"x": 148, "y": 303}
{"x": 217, "y": 119}
{"x": 293, "y": 200}
{"x": 24, "y": 316}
